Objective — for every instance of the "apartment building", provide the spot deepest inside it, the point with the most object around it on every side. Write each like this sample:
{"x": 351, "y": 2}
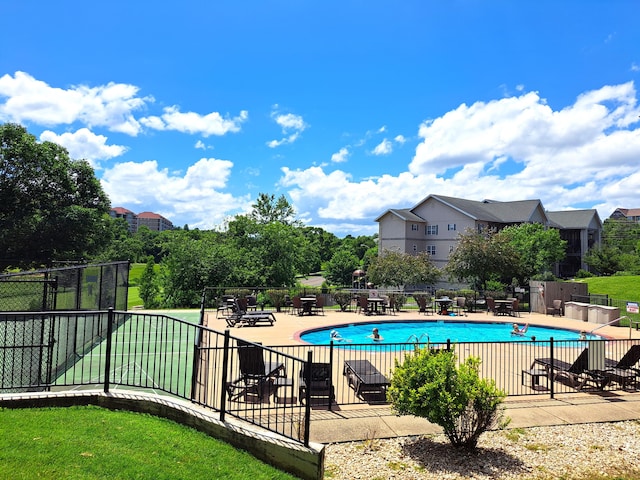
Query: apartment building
{"x": 433, "y": 225}
{"x": 151, "y": 220}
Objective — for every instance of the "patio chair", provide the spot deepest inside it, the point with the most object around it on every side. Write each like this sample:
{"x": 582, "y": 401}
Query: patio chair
{"x": 425, "y": 305}
{"x": 318, "y": 307}
{"x": 363, "y": 305}
{"x": 252, "y": 303}
{"x": 491, "y": 305}
{"x": 255, "y": 373}
{"x": 623, "y": 371}
{"x": 514, "y": 308}
{"x": 317, "y": 384}
{"x": 459, "y": 305}
{"x": 556, "y": 309}
{"x": 225, "y": 304}
{"x": 389, "y": 305}
{"x": 584, "y": 370}
{"x": 296, "y": 305}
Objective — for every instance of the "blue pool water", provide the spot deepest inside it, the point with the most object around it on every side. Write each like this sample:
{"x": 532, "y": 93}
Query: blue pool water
{"x": 437, "y": 332}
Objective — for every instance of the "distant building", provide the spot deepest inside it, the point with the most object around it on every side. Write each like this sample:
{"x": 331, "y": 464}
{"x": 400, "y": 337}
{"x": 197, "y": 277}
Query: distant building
{"x": 151, "y": 220}
{"x": 630, "y": 214}
{"x": 130, "y": 217}
{"x": 154, "y": 221}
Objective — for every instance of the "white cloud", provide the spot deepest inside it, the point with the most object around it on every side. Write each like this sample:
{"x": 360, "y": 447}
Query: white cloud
{"x": 84, "y": 144}
{"x": 582, "y": 156}
{"x": 197, "y": 196}
{"x": 383, "y": 148}
{"x": 340, "y": 156}
{"x": 110, "y": 106}
{"x": 400, "y": 139}
{"x": 288, "y": 122}
{"x": 195, "y": 123}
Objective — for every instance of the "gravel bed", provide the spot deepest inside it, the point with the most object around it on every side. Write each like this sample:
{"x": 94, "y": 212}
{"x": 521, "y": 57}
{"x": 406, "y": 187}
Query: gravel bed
{"x": 568, "y": 452}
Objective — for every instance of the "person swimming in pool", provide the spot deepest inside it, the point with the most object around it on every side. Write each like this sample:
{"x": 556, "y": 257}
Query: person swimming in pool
{"x": 519, "y": 331}
{"x": 375, "y": 335}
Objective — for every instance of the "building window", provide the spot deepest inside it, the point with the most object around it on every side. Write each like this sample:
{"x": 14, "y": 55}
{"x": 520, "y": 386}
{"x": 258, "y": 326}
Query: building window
{"x": 431, "y": 249}
{"x": 431, "y": 229}
{"x": 451, "y": 226}
{"x": 415, "y": 249}
{"x": 414, "y": 227}
{"x": 451, "y": 248}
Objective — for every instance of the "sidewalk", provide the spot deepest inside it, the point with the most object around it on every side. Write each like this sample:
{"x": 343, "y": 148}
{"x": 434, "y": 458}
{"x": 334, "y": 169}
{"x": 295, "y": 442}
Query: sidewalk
{"x": 361, "y": 422}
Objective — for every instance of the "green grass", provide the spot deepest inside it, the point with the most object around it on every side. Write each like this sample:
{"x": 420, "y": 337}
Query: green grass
{"x": 619, "y": 288}
{"x": 93, "y": 443}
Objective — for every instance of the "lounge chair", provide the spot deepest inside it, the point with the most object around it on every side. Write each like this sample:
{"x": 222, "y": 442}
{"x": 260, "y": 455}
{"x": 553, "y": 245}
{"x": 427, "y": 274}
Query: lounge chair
{"x": 584, "y": 370}
{"x": 243, "y": 318}
{"x": 255, "y": 373}
{"x": 317, "y": 384}
{"x": 363, "y": 377}
{"x": 623, "y": 371}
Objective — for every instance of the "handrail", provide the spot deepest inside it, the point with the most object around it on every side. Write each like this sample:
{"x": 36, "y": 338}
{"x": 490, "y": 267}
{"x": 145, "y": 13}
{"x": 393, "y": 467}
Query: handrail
{"x": 608, "y": 323}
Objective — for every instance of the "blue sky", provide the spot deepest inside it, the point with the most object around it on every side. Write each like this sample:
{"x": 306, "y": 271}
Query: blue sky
{"x": 348, "y": 108}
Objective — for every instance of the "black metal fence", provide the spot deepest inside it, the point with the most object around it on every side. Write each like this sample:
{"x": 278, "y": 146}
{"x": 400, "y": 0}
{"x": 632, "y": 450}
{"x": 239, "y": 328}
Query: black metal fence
{"x": 81, "y": 287}
{"x": 268, "y": 386}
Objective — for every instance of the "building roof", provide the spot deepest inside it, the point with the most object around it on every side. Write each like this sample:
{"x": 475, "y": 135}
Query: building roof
{"x": 122, "y": 211}
{"x": 404, "y": 214}
{"x": 573, "y": 219}
{"x": 149, "y": 215}
{"x": 628, "y": 212}
{"x": 491, "y": 210}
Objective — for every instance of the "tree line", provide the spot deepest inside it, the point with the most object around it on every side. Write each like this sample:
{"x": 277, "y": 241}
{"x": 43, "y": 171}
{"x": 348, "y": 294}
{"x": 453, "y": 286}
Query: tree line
{"x": 53, "y": 209}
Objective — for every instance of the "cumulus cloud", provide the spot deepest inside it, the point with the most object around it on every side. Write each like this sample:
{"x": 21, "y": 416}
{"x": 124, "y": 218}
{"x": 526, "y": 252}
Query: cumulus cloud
{"x": 340, "y": 156}
{"x": 195, "y": 123}
{"x": 581, "y": 156}
{"x": 84, "y": 144}
{"x": 383, "y": 148}
{"x": 197, "y": 196}
{"x": 111, "y": 106}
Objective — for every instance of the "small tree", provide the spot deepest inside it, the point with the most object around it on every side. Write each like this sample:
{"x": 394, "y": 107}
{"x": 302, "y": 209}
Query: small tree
{"x": 149, "y": 289}
{"x": 428, "y": 384}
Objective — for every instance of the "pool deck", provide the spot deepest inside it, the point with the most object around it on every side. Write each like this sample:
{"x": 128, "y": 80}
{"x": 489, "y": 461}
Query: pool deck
{"x": 361, "y": 422}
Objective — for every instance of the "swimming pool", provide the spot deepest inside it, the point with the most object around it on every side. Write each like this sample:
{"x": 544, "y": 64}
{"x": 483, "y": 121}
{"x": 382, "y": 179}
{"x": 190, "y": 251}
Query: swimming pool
{"x": 436, "y": 331}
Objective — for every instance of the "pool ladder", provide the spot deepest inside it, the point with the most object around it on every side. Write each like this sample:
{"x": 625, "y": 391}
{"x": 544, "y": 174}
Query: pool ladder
{"x": 417, "y": 339}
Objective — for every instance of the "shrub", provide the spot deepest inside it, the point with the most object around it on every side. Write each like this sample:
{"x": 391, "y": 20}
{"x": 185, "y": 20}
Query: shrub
{"x": 276, "y": 298}
{"x": 342, "y": 298}
{"x": 428, "y": 384}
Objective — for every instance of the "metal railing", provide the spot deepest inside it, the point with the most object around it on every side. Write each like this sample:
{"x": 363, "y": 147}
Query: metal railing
{"x": 71, "y": 350}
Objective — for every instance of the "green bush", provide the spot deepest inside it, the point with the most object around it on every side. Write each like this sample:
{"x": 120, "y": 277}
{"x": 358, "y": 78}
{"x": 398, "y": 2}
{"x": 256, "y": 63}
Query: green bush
{"x": 342, "y": 298}
{"x": 428, "y": 384}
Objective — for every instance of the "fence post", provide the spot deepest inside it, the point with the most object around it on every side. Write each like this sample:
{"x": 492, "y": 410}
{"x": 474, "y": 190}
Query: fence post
{"x": 307, "y": 406}
{"x": 330, "y": 375}
{"x": 225, "y": 368}
{"x": 107, "y": 360}
{"x": 551, "y": 378}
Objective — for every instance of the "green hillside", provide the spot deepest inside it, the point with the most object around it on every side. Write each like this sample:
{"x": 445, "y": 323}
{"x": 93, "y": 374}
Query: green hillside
{"x": 620, "y": 288}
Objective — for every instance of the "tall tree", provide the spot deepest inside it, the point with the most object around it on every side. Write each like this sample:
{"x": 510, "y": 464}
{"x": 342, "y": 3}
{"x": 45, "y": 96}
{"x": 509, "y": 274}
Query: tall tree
{"x": 51, "y": 207}
{"x": 393, "y": 268}
{"x": 538, "y": 248}
{"x": 267, "y": 209}
{"x": 480, "y": 257}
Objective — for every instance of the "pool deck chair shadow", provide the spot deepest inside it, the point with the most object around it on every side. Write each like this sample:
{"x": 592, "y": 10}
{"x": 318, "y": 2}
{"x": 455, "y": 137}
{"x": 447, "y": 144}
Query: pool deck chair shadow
{"x": 577, "y": 374}
{"x": 365, "y": 378}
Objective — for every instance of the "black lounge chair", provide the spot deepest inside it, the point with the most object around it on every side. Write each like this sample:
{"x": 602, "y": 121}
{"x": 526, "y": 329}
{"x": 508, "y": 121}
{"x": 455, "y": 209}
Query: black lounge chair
{"x": 363, "y": 377}
{"x": 317, "y": 384}
{"x": 243, "y": 318}
{"x": 623, "y": 371}
{"x": 255, "y": 373}
{"x": 577, "y": 374}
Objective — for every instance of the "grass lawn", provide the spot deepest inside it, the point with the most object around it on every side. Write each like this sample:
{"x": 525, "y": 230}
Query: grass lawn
{"x": 619, "y": 288}
{"x": 95, "y": 443}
